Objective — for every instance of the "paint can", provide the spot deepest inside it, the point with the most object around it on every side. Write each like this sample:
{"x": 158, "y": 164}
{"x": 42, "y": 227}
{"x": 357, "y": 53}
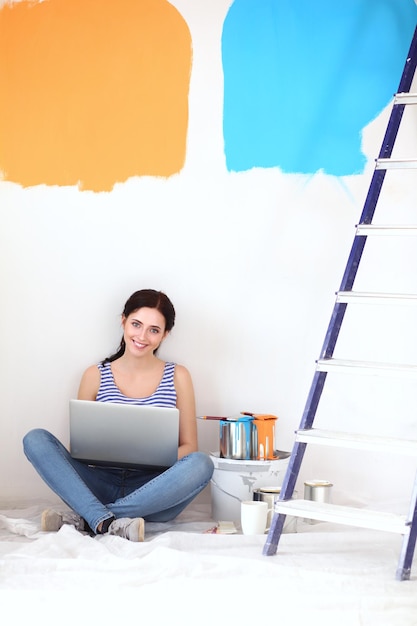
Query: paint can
{"x": 271, "y": 496}
{"x": 317, "y": 491}
{"x": 238, "y": 438}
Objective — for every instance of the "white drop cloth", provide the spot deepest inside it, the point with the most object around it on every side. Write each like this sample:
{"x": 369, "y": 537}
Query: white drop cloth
{"x": 323, "y": 574}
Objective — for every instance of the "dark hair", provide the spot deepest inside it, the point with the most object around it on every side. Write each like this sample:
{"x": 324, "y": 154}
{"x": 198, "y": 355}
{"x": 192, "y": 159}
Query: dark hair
{"x": 153, "y": 300}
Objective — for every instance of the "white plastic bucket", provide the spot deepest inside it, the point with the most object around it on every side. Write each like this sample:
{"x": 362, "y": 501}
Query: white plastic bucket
{"x": 234, "y": 481}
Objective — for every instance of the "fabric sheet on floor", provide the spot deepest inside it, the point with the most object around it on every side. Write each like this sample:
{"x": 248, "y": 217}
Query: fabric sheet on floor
{"x": 324, "y": 574}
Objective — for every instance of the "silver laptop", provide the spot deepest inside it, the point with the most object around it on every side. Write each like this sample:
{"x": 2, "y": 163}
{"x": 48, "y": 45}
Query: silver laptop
{"x": 123, "y": 435}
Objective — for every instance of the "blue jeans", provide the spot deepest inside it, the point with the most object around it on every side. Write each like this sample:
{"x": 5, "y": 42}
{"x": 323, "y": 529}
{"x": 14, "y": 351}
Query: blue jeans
{"x": 100, "y": 493}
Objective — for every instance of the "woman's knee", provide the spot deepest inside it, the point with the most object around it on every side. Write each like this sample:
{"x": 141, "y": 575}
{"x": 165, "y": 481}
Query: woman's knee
{"x": 203, "y": 465}
{"x": 34, "y": 439}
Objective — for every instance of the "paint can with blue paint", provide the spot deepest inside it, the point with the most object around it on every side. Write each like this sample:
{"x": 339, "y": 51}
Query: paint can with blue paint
{"x": 238, "y": 438}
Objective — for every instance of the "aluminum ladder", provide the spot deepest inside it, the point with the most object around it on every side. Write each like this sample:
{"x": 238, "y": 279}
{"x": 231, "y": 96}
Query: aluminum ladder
{"x": 405, "y": 525}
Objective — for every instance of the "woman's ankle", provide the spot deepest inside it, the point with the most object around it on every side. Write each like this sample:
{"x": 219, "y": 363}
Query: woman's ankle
{"x": 103, "y": 527}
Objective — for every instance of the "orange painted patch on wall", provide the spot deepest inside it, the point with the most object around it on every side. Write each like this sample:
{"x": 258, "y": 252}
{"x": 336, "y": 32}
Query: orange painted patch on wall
{"x": 92, "y": 92}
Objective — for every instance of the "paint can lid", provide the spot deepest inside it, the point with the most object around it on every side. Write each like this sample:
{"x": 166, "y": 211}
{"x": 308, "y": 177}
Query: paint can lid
{"x": 318, "y": 483}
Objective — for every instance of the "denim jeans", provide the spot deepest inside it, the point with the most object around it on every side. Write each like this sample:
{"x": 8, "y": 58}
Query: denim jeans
{"x": 99, "y": 493}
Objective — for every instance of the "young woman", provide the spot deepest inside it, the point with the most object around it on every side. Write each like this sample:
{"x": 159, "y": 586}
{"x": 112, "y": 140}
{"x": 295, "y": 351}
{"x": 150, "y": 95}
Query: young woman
{"x": 117, "y": 501}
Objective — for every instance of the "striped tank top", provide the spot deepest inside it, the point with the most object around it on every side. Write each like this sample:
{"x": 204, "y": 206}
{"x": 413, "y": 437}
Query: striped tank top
{"x": 164, "y": 395}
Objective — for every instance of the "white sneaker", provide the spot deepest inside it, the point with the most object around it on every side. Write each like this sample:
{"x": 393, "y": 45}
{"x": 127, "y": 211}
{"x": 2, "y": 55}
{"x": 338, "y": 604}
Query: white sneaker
{"x": 131, "y": 529}
{"x": 52, "y": 521}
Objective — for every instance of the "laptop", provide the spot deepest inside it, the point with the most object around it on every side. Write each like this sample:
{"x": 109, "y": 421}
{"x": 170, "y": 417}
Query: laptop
{"x": 123, "y": 435}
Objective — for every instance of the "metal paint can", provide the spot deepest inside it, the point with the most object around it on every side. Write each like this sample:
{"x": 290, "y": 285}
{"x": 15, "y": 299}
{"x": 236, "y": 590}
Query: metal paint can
{"x": 238, "y": 438}
{"x": 317, "y": 491}
{"x": 271, "y": 495}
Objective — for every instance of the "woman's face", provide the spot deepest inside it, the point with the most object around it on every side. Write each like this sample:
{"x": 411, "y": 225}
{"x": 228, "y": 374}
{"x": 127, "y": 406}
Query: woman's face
{"x": 144, "y": 331}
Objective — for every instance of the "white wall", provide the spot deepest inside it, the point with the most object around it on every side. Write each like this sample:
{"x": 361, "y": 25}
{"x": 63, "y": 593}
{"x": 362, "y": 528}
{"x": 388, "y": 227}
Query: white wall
{"x": 251, "y": 262}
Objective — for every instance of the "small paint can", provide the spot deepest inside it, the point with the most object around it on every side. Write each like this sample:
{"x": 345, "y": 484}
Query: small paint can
{"x": 271, "y": 495}
{"x": 317, "y": 491}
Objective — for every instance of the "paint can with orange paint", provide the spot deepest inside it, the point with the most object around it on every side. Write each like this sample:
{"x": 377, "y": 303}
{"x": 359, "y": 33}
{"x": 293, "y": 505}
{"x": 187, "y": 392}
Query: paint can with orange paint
{"x": 265, "y": 427}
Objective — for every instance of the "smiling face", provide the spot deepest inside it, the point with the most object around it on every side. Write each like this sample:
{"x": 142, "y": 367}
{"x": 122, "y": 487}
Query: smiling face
{"x": 144, "y": 331}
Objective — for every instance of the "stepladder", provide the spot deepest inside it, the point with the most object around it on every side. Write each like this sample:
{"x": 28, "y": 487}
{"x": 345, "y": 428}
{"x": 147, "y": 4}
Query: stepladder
{"x": 378, "y": 289}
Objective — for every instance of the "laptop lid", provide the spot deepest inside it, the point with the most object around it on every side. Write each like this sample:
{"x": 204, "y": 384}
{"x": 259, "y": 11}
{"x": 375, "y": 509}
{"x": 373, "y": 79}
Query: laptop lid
{"x": 123, "y": 435}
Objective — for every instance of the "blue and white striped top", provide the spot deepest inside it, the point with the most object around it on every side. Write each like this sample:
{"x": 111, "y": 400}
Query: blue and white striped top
{"x": 164, "y": 395}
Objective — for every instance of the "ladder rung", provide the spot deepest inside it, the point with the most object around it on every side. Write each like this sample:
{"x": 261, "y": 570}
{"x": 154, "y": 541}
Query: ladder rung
{"x": 364, "y": 367}
{"x": 395, "y": 164}
{"x": 362, "y": 518}
{"x": 376, "y": 298}
{"x": 357, "y": 441}
{"x": 386, "y": 229}
{"x": 405, "y": 98}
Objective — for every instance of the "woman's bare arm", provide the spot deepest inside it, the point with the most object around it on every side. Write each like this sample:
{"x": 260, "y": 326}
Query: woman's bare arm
{"x": 90, "y": 383}
{"x": 186, "y": 404}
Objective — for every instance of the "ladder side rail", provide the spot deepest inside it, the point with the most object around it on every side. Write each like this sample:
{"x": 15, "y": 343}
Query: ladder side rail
{"x": 274, "y": 534}
{"x": 398, "y": 109}
{"x": 409, "y": 67}
{"x": 409, "y": 541}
